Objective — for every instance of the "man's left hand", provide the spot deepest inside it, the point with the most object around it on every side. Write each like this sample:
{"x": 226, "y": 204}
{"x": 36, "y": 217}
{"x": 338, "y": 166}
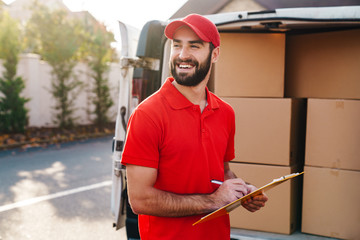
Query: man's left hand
{"x": 255, "y": 203}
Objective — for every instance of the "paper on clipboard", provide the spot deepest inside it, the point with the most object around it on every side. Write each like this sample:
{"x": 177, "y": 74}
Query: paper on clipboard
{"x": 231, "y": 206}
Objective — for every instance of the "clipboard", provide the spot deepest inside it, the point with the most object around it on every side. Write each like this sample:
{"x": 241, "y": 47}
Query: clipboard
{"x": 231, "y": 206}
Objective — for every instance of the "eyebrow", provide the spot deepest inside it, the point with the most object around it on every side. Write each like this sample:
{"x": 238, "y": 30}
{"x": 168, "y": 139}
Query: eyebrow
{"x": 191, "y": 42}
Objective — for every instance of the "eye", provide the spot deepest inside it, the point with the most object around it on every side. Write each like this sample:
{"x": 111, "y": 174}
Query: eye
{"x": 194, "y": 46}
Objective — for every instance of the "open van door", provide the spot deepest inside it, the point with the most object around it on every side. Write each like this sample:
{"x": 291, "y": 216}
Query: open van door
{"x": 129, "y": 39}
{"x": 141, "y": 59}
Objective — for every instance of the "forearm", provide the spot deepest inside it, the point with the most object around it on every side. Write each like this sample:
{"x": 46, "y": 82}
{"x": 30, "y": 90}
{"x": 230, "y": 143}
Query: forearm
{"x": 228, "y": 174}
{"x": 166, "y": 204}
{"x": 146, "y": 199}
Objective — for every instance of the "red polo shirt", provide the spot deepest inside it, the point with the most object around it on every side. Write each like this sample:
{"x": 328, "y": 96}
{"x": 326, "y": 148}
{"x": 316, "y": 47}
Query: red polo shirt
{"x": 169, "y": 133}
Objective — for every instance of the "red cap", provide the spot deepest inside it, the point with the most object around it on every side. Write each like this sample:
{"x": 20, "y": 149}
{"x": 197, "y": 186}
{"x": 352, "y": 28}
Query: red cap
{"x": 203, "y": 27}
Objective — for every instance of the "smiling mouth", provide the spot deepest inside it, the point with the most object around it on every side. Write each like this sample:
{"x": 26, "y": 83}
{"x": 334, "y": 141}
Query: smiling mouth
{"x": 185, "y": 66}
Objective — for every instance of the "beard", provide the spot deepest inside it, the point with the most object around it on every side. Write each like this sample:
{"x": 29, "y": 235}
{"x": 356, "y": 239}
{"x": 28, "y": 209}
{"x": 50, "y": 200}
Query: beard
{"x": 201, "y": 70}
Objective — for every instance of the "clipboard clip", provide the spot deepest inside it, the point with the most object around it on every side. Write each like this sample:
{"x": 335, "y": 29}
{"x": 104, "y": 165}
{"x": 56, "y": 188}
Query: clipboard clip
{"x": 287, "y": 176}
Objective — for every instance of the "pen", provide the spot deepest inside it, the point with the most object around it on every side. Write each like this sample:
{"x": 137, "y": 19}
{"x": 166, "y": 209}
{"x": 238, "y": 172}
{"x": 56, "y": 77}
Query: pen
{"x": 216, "y": 182}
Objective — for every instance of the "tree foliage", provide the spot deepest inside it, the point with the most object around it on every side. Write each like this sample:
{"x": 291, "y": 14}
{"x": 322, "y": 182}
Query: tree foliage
{"x": 98, "y": 53}
{"x": 12, "y": 106}
{"x": 61, "y": 40}
{"x": 13, "y": 113}
{"x": 55, "y": 36}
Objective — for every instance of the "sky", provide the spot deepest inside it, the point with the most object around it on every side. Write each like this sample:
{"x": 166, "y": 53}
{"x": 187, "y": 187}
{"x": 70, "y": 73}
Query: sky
{"x": 132, "y": 12}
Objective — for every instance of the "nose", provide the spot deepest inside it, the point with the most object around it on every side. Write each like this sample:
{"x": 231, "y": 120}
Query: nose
{"x": 184, "y": 54}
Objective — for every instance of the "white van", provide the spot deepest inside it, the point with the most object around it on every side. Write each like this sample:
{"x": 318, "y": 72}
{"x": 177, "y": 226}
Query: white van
{"x": 146, "y": 68}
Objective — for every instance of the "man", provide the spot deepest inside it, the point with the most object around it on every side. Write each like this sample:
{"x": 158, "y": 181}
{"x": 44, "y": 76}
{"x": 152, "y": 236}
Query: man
{"x": 181, "y": 138}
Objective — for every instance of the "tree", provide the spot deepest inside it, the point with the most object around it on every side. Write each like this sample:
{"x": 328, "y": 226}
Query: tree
{"x": 13, "y": 113}
{"x": 55, "y": 37}
{"x": 98, "y": 52}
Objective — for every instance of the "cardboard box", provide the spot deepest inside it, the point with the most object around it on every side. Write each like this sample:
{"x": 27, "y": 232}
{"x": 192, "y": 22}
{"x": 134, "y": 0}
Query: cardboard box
{"x": 331, "y": 203}
{"x": 269, "y": 130}
{"x": 281, "y": 212}
{"x": 250, "y": 65}
{"x": 323, "y": 65}
{"x": 333, "y": 134}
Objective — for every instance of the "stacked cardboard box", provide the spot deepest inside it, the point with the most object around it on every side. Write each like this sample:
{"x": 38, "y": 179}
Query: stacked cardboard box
{"x": 320, "y": 69}
{"x": 250, "y": 77}
{"x": 324, "y": 67}
{"x": 332, "y": 169}
{"x": 268, "y": 130}
{"x": 250, "y": 65}
{"x": 267, "y": 146}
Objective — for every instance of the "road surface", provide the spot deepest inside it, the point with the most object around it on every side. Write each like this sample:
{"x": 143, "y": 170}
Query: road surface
{"x": 57, "y": 193}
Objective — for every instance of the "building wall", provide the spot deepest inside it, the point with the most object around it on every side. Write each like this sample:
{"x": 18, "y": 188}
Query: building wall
{"x": 37, "y": 77}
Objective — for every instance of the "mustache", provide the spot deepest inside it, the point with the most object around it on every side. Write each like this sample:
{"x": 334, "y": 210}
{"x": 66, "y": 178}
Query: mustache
{"x": 179, "y": 60}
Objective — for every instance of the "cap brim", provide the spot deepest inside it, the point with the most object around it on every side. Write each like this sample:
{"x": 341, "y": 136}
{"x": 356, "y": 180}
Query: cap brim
{"x": 172, "y": 27}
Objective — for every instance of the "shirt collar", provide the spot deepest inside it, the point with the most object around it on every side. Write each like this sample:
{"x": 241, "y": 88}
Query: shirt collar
{"x": 178, "y": 101}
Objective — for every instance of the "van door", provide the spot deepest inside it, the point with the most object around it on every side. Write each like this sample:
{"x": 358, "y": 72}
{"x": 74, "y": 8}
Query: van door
{"x": 147, "y": 72}
{"x": 141, "y": 77}
{"x": 129, "y": 39}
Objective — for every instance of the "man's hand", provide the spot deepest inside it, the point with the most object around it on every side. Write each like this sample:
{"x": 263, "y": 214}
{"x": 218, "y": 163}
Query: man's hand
{"x": 255, "y": 203}
{"x": 229, "y": 191}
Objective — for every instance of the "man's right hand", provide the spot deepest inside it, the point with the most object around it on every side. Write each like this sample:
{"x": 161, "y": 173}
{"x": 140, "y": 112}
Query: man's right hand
{"x": 229, "y": 191}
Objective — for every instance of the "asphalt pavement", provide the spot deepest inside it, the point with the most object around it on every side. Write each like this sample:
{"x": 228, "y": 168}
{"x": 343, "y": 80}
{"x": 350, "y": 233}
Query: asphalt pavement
{"x": 59, "y": 193}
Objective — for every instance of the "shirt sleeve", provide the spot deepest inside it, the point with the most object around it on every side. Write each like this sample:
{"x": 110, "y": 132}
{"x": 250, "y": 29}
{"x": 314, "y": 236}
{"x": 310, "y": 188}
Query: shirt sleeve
{"x": 230, "y": 150}
{"x": 142, "y": 141}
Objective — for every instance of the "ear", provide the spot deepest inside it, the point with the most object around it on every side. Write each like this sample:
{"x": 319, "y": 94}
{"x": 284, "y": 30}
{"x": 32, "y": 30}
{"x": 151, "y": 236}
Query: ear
{"x": 215, "y": 54}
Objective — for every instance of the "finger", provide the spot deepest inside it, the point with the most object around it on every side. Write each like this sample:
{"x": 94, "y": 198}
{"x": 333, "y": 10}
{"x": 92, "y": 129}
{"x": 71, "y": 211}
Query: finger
{"x": 241, "y": 189}
{"x": 258, "y": 203}
{"x": 253, "y": 204}
{"x": 237, "y": 181}
{"x": 261, "y": 197}
{"x": 257, "y": 200}
{"x": 238, "y": 195}
{"x": 251, "y": 207}
{"x": 250, "y": 188}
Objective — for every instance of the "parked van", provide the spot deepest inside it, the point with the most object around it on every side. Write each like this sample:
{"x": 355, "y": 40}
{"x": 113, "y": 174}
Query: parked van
{"x": 284, "y": 53}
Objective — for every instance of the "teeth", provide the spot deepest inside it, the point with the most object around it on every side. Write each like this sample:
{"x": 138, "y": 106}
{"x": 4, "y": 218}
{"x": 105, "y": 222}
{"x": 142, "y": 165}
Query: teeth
{"x": 185, "y": 66}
